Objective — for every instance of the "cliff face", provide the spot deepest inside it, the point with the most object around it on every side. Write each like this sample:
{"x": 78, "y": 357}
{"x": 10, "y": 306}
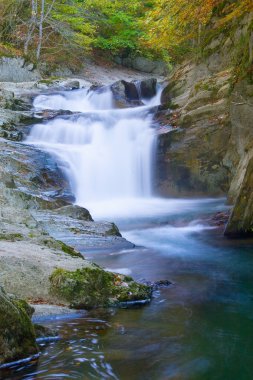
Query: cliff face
{"x": 210, "y": 149}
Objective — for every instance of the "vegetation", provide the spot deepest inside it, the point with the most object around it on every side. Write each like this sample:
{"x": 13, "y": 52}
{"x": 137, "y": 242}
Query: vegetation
{"x": 155, "y": 28}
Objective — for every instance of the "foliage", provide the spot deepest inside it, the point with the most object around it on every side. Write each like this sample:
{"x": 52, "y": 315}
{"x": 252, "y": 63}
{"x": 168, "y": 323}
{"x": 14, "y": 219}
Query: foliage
{"x": 58, "y": 29}
{"x": 178, "y": 26}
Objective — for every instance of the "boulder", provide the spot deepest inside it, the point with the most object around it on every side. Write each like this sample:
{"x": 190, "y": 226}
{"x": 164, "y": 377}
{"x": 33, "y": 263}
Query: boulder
{"x": 148, "y": 88}
{"x": 144, "y": 64}
{"x": 17, "y": 335}
{"x": 125, "y": 94}
{"x": 131, "y": 90}
{"x": 71, "y": 85}
{"x": 89, "y": 288}
{"x": 75, "y": 212}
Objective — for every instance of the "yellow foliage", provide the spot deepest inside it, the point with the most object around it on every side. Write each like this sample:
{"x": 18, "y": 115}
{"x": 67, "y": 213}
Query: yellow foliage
{"x": 173, "y": 24}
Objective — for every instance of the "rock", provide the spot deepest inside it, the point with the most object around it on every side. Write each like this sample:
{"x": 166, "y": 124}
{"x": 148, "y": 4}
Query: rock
{"x": 90, "y": 288}
{"x": 240, "y": 223}
{"x": 131, "y": 91}
{"x": 125, "y": 94}
{"x": 72, "y": 85}
{"x": 17, "y": 335}
{"x": 166, "y": 95}
{"x": 220, "y": 219}
{"x": 75, "y": 212}
{"x": 148, "y": 88}
{"x": 16, "y": 70}
{"x": 43, "y": 332}
{"x": 191, "y": 157}
{"x": 144, "y": 65}
{"x": 51, "y": 114}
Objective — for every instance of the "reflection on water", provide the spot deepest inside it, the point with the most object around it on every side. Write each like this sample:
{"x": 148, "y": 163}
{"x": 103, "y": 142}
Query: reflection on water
{"x": 199, "y": 328}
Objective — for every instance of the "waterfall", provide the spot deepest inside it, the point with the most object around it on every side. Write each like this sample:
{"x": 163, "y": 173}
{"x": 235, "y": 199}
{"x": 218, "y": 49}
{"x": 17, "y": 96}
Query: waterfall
{"x": 106, "y": 153}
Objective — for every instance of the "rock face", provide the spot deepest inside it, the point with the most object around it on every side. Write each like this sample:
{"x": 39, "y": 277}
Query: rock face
{"x": 17, "y": 336}
{"x": 240, "y": 223}
{"x": 190, "y": 157}
{"x": 209, "y": 149}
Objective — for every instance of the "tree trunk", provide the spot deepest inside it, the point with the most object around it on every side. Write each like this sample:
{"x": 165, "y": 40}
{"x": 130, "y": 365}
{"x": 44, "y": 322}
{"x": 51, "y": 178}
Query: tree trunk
{"x": 41, "y": 22}
{"x": 32, "y": 25}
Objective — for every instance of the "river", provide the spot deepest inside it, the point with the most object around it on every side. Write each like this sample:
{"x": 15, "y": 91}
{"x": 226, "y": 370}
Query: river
{"x": 199, "y": 327}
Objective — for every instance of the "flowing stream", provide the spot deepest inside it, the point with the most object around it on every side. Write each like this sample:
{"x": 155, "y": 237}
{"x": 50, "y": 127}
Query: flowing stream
{"x": 198, "y": 328}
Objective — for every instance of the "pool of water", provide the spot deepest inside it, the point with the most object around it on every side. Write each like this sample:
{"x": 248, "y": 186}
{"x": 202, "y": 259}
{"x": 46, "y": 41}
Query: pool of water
{"x": 200, "y": 327}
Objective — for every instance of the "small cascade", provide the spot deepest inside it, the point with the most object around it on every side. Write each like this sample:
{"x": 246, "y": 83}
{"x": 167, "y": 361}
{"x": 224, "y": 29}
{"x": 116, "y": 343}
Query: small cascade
{"x": 106, "y": 153}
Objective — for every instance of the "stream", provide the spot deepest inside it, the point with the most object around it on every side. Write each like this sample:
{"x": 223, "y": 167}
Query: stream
{"x": 199, "y": 327}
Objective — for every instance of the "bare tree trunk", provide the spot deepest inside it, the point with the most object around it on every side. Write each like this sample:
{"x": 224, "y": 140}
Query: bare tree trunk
{"x": 251, "y": 48}
{"x": 199, "y": 34}
{"x": 41, "y": 22}
{"x": 32, "y": 25}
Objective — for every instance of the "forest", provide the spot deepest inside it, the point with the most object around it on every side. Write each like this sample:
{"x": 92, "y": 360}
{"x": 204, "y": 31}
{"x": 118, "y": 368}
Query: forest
{"x": 157, "y": 28}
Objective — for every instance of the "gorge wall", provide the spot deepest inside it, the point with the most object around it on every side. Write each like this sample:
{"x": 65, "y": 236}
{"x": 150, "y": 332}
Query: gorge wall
{"x": 210, "y": 148}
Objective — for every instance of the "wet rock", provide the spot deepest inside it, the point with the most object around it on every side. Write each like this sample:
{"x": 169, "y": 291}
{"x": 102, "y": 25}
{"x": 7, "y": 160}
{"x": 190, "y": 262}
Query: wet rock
{"x": 17, "y": 335}
{"x": 220, "y": 219}
{"x": 75, "y": 212}
{"x": 130, "y": 90}
{"x": 51, "y": 114}
{"x": 166, "y": 95}
{"x": 240, "y": 223}
{"x": 157, "y": 284}
{"x": 148, "y": 88}
{"x": 143, "y": 64}
{"x": 72, "y": 85}
{"x": 89, "y": 288}
{"x": 43, "y": 332}
{"x": 125, "y": 94}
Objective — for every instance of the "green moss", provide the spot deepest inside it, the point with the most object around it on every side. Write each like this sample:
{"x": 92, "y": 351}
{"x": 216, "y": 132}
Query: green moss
{"x": 49, "y": 81}
{"x": 70, "y": 250}
{"x": 24, "y": 306}
{"x": 11, "y": 236}
{"x": 57, "y": 244}
{"x": 88, "y": 288}
{"x": 113, "y": 231}
{"x": 17, "y": 336}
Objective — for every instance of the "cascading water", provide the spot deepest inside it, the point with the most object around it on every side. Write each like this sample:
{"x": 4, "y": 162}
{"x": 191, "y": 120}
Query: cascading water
{"x": 107, "y": 153}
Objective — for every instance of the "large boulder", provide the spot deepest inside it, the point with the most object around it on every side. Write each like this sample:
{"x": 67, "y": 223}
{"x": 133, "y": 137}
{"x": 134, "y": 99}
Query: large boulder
{"x": 17, "y": 336}
{"x": 75, "y": 212}
{"x": 143, "y": 64}
{"x": 89, "y": 288}
{"x": 148, "y": 88}
{"x": 125, "y": 94}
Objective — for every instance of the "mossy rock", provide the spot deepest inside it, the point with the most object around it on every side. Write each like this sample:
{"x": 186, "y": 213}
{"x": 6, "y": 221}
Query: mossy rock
{"x": 113, "y": 231}
{"x": 89, "y": 288}
{"x": 17, "y": 336}
{"x": 11, "y": 236}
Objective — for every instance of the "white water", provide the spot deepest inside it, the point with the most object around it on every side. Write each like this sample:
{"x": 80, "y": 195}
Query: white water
{"x": 107, "y": 153}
